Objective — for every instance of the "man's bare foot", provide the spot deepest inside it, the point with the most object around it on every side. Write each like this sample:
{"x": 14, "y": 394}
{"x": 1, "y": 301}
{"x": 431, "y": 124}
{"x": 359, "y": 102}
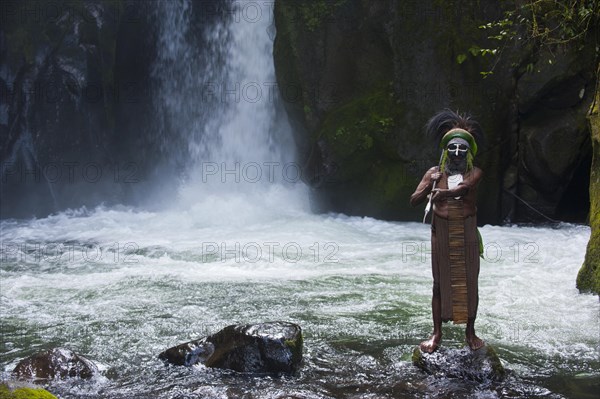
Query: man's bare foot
{"x": 475, "y": 342}
{"x": 431, "y": 344}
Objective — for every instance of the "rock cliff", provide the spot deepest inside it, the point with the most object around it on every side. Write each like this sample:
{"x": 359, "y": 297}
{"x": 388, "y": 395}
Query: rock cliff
{"x": 361, "y": 78}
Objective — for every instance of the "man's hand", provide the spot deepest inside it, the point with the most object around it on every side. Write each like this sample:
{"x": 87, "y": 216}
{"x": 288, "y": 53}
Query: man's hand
{"x": 435, "y": 177}
{"x": 438, "y": 194}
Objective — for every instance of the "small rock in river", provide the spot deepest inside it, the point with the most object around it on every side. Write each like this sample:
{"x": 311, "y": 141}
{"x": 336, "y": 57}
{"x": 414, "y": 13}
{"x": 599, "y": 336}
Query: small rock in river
{"x": 274, "y": 347}
{"x": 57, "y": 363}
{"x": 480, "y": 365}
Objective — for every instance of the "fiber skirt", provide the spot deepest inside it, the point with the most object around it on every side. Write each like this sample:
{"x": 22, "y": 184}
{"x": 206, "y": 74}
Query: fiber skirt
{"x": 441, "y": 264}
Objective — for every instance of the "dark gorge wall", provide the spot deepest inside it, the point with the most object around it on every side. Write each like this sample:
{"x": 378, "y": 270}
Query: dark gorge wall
{"x": 67, "y": 77}
{"x": 362, "y": 78}
{"x": 78, "y": 120}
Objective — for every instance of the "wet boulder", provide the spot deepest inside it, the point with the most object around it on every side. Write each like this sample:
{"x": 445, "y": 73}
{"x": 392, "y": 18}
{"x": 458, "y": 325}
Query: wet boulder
{"x": 56, "y": 363}
{"x": 479, "y": 366}
{"x": 274, "y": 347}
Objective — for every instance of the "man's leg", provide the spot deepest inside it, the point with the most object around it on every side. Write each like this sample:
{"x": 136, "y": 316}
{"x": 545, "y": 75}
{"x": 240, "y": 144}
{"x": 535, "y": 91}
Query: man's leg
{"x": 473, "y": 340}
{"x": 433, "y": 342}
{"x": 472, "y": 253}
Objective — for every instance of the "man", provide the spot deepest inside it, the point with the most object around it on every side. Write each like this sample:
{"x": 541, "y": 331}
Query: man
{"x": 454, "y": 237}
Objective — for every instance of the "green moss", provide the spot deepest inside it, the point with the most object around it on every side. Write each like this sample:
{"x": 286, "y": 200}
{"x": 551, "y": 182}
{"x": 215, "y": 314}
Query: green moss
{"x": 295, "y": 346}
{"x": 315, "y": 12}
{"x": 588, "y": 278}
{"x": 5, "y": 392}
{"x": 363, "y": 135}
{"x": 29, "y": 393}
{"x": 497, "y": 366}
{"x": 417, "y": 358}
{"x": 24, "y": 393}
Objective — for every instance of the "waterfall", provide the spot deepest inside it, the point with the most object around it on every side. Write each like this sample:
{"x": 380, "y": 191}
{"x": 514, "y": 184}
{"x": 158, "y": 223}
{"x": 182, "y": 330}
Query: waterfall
{"x": 217, "y": 100}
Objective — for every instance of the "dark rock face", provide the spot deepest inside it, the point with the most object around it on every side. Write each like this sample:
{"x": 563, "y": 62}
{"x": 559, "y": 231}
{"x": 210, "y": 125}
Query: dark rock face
{"x": 274, "y": 347}
{"x": 77, "y": 118}
{"x": 370, "y": 74}
{"x": 478, "y": 366}
{"x": 59, "y": 97}
{"x": 57, "y": 363}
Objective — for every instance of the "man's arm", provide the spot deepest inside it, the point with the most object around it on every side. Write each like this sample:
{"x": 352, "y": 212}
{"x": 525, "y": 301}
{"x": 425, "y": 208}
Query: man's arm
{"x": 471, "y": 181}
{"x": 424, "y": 186}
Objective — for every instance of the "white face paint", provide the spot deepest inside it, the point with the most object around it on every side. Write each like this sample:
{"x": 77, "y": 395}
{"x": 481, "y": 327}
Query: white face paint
{"x": 458, "y": 147}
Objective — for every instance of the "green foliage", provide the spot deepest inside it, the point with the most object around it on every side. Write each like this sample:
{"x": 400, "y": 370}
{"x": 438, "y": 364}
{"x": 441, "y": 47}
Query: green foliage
{"x": 541, "y": 23}
{"x": 461, "y": 58}
{"x": 557, "y": 22}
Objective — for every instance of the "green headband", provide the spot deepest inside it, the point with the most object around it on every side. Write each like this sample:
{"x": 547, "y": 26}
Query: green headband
{"x": 462, "y": 134}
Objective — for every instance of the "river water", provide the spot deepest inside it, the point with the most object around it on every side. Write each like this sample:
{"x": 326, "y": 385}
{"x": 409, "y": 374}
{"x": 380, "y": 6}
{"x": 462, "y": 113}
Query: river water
{"x": 121, "y": 285}
{"x": 239, "y": 244}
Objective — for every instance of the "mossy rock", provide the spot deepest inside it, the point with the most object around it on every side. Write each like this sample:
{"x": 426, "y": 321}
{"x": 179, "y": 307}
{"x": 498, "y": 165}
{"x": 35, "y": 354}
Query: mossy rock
{"x": 24, "y": 393}
{"x": 588, "y": 278}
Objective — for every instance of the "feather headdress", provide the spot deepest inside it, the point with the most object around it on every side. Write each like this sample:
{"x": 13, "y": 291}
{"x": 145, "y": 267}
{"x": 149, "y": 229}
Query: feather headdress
{"x": 447, "y": 124}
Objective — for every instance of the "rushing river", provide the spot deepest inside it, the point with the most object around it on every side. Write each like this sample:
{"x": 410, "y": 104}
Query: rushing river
{"x": 121, "y": 285}
{"x": 239, "y": 244}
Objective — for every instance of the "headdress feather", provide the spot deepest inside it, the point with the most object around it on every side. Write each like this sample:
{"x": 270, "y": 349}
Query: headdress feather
{"x": 446, "y": 120}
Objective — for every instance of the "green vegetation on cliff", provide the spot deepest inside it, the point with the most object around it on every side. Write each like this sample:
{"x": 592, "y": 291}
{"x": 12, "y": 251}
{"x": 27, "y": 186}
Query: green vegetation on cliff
{"x": 317, "y": 11}
{"x": 542, "y": 25}
{"x": 363, "y": 136}
{"x": 588, "y": 279}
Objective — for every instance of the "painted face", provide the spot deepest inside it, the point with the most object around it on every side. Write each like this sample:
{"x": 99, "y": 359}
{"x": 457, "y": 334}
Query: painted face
{"x": 457, "y": 148}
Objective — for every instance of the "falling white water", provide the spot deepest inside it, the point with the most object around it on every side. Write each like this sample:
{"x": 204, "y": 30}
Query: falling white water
{"x": 222, "y": 101}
